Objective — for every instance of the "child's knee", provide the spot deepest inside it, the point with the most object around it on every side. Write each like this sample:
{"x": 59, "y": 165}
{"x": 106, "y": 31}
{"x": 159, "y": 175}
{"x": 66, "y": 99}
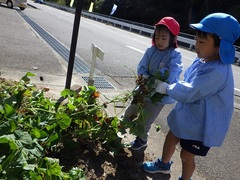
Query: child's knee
{"x": 186, "y": 156}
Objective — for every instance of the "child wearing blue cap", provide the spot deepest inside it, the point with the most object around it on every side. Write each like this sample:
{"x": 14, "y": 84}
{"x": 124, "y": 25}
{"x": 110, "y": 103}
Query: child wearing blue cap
{"x": 205, "y": 98}
{"x": 161, "y": 56}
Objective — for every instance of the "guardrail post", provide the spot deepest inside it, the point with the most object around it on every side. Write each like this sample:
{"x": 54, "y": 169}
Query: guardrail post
{"x": 96, "y": 52}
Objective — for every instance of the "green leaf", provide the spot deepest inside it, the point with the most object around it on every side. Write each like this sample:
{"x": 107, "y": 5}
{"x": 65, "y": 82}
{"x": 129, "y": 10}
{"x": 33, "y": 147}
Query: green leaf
{"x": 30, "y": 167}
{"x": 71, "y": 106}
{"x": 23, "y": 137}
{"x": 7, "y": 127}
{"x": 77, "y": 174}
{"x": 166, "y": 74}
{"x": 157, "y": 127}
{"x": 38, "y": 133}
{"x": 63, "y": 120}
{"x": 10, "y": 140}
{"x": 1, "y": 109}
{"x": 157, "y": 97}
{"x": 51, "y": 126}
{"x": 53, "y": 167}
{"x": 13, "y": 163}
{"x": 9, "y": 110}
{"x": 65, "y": 93}
{"x": 114, "y": 122}
{"x": 25, "y": 78}
{"x": 52, "y": 138}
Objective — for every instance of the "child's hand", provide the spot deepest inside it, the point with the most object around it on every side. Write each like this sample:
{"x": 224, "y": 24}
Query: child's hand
{"x": 161, "y": 86}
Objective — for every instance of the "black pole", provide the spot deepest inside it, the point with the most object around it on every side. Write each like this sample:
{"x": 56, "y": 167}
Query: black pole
{"x": 78, "y": 11}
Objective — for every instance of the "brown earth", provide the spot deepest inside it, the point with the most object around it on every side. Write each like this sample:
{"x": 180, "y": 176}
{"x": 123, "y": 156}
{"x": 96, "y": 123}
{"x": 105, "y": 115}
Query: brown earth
{"x": 97, "y": 163}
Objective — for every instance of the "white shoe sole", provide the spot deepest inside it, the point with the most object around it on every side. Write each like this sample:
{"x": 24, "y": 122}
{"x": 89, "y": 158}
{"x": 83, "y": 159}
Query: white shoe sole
{"x": 145, "y": 145}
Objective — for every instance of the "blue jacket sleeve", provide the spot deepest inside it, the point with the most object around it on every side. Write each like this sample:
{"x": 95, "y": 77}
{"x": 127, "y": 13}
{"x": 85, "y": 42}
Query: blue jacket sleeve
{"x": 175, "y": 67}
{"x": 199, "y": 83}
{"x": 142, "y": 67}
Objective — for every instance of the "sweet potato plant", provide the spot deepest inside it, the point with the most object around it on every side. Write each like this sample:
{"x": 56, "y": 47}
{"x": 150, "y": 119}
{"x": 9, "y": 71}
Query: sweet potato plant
{"x": 32, "y": 126}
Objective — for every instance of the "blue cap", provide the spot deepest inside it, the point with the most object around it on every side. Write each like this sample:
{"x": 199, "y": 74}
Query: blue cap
{"x": 227, "y": 28}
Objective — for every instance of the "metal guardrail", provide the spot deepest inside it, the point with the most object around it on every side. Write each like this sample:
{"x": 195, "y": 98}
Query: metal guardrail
{"x": 237, "y": 55}
{"x": 184, "y": 39}
{"x": 118, "y": 23}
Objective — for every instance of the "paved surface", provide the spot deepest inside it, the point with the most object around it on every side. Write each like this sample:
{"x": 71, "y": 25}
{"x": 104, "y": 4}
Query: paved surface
{"x": 22, "y": 50}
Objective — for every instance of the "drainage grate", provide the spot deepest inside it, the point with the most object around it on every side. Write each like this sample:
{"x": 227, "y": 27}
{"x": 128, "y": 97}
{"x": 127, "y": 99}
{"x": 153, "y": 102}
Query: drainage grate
{"x": 99, "y": 83}
{"x": 79, "y": 66}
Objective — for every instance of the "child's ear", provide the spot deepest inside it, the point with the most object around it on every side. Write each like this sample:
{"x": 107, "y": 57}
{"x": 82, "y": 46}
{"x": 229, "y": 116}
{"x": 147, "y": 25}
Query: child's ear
{"x": 175, "y": 39}
{"x": 218, "y": 51}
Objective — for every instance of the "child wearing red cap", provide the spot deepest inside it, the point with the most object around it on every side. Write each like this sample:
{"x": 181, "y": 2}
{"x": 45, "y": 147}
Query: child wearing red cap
{"x": 205, "y": 98}
{"x": 161, "y": 56}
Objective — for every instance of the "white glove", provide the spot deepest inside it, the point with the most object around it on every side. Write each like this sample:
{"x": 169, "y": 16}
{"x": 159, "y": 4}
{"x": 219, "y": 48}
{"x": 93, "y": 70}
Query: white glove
{"x": 161, "y": 87}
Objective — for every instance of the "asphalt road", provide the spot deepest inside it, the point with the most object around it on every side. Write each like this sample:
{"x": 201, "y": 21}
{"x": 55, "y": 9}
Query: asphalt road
{"x": 122, "y": 53}
{"x": 119, "y": 46}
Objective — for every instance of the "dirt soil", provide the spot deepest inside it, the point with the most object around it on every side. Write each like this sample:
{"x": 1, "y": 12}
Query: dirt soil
{"x": 98, "y": 164}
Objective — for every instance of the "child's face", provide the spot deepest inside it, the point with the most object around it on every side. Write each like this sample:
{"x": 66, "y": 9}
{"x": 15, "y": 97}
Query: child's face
{"x": 205, "y": 48}
{"x": 162, "y": 38}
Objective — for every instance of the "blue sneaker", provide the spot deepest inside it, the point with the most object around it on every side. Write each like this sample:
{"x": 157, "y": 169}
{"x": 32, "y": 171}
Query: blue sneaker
{"x": 138, "y": 144}
{"x": 157, "y": 167}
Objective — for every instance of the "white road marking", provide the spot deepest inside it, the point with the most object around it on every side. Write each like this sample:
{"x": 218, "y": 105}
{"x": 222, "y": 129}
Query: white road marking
{"x": 237, "y": 89}
{"x": 136, "y": 49}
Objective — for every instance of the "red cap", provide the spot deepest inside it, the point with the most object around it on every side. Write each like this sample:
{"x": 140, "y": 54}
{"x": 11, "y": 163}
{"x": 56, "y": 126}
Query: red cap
{"x": 171, "y": 24}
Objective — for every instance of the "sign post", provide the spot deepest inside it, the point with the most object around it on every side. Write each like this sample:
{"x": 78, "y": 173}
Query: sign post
{"x": 78, "y": 12}
{"x": 96, "y": 52}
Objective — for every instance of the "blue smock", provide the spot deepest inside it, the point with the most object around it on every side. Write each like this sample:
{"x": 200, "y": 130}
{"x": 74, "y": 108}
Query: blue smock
{"x": 205, "y": 103}
{"x": 155, "y": 60}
